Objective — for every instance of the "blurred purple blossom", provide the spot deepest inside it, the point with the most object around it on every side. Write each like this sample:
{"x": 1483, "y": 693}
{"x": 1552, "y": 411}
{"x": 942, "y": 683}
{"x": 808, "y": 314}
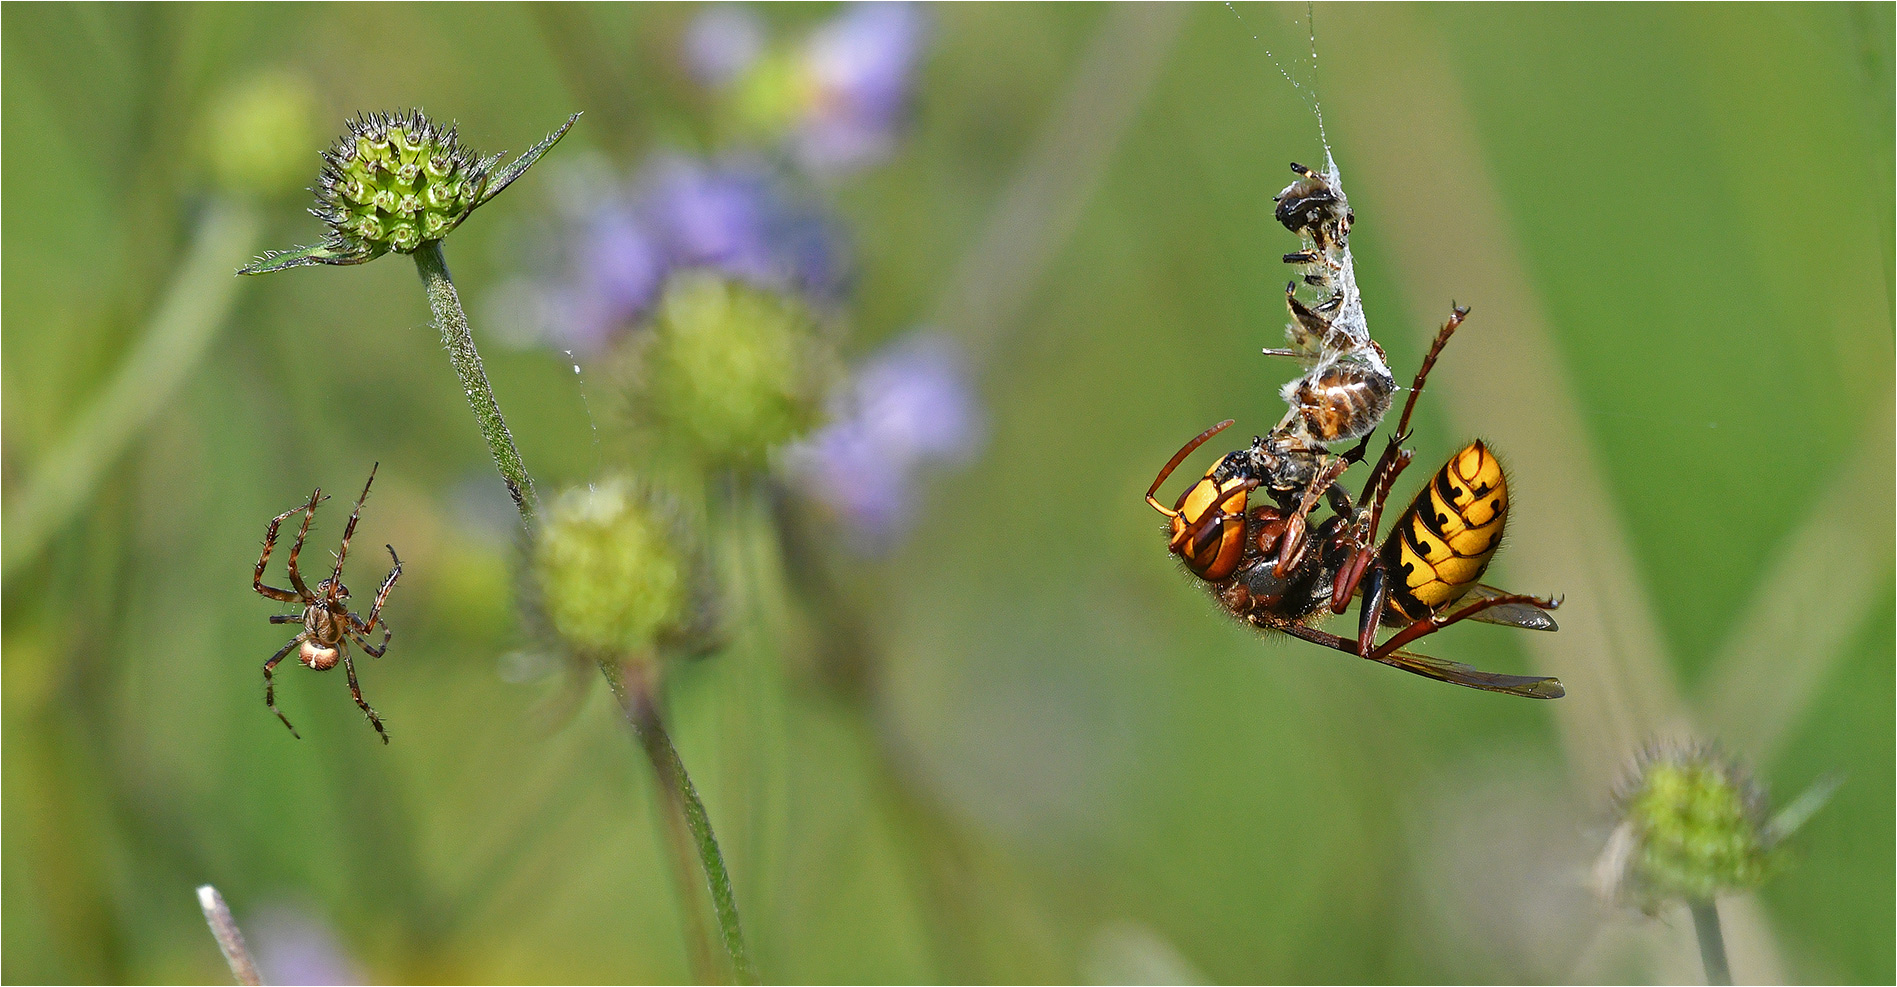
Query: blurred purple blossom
{"x": 912, "y": 405}
{"x": 294, "y": 946}
{"x": 839, "y": 98}
{"x": 613, "y": 241}
{"x": 722, "y": 43}
{"x": 735, "y": 216}
{"x": 861, "y": 68}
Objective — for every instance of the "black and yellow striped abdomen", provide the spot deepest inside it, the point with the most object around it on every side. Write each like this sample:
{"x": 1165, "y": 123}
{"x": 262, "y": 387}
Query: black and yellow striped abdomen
{"x": 1440, "y": 546}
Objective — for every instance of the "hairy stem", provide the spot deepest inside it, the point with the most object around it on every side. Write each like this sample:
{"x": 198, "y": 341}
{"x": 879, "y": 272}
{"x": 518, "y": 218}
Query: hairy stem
{"x": 1712, "y": 943}
{"x": 229, "y": 940}
{"x": 683, "y": 804}
{"x": 455, "y": 335}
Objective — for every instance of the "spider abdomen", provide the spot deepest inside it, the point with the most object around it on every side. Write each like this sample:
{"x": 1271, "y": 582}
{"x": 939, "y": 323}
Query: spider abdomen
{"x": 318, "y": 657}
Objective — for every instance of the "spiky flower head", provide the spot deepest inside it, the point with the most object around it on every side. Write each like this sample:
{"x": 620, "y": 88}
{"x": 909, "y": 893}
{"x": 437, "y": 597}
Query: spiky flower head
{"x": 1693, "y": 825}
{"x": 612, "y": 576}
{"x": 396, "y": 181}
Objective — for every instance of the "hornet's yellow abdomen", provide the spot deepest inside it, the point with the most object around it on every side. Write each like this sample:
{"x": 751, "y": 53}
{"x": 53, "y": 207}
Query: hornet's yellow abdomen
{"x": 1440, "y": 546}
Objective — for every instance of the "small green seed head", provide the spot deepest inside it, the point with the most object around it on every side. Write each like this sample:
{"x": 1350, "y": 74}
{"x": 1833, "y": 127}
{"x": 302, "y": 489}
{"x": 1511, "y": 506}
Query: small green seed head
{"x": 612, "y": 577}
{"x": 1693, "y": 826}
{"x": 729, "y": 371}
{"x": 396, "y": 181}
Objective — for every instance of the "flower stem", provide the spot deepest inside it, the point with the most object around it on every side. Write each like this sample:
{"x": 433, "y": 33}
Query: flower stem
{"x": 455, "y": 335}
{"x": 229, "y": 939}
{"x": 1712, "y": 944}
{"x": 675, "y": 786}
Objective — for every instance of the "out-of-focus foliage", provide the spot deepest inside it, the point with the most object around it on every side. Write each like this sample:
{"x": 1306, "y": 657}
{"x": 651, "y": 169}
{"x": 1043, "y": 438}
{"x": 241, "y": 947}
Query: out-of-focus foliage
{"x": 1053, "y": 760}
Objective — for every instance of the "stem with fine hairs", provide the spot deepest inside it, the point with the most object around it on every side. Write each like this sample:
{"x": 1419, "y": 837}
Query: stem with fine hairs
{"x": 1712, "y": 944}
{"x": 455, "y": 335}
{"x": 633, "y": 687}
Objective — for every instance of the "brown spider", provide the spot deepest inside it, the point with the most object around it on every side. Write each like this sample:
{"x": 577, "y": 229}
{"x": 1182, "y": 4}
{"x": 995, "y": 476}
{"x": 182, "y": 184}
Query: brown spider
{"x": 327, "y": 623}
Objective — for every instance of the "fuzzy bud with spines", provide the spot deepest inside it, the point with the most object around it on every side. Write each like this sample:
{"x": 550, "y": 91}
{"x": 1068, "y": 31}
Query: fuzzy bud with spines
{"x": 612, "y": 577}
{"x": 730, "y": 372}
{"x": 396, "y": 181}
{"x": 1693, "y": 826}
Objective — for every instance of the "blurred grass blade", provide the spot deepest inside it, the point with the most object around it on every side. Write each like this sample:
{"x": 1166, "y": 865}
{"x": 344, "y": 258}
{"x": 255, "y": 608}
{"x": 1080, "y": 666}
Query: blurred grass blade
{"x": 189, "y": 316}
{"x": 1802, "y": 808}
{"x": 1777, "y": 659}
{"x": 1047, "y": 194}
{"x": 1406, "y": 124}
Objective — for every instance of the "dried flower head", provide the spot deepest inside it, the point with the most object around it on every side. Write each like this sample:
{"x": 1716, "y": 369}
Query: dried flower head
{"x": 1693, "y": 825}
{"x": 612, "y": 577}
{"x": 394, "y": 182}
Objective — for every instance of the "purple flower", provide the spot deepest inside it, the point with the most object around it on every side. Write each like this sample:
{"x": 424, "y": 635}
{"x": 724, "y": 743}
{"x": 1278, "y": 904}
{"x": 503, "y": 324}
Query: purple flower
{"x": 860, "y": 68}
{"x": 613, "y": 242}
{"x": 838, "y": 99}
{"x": 613, "y": 275}
{"x": 735, "y": 217}
{"x": 722, "y": 43}
{"x": 911, "y": 405}
{"x": 294, "y": 946}
{"x": 597, "y": 266}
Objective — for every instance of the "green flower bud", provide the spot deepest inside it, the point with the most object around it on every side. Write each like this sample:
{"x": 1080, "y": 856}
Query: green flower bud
{"x": 730, "y": 371}
{"x": 1693, "y": 826}
{"x": 773, "y": 96}
{"x": 395, "y": 182}
{"x": 255, "y": 134}
{"x": 612, "y": 578}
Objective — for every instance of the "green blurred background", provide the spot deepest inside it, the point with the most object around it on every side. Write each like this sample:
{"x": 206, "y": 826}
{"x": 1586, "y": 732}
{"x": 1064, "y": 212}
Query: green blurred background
{"x": 1673, "y": 225}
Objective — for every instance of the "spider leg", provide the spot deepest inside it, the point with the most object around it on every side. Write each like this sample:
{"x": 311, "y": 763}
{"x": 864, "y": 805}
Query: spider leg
{"x": 387, "y": 632}
{"x": 270, "y": 543}
{"x": 356, "y": 691}
{"x": 286, "y": 618}
{"x": 336, "y": 578}
{"x": 388, "y": 583}
{"x": 309, "y": 514}
{"x": 270, "y": 685}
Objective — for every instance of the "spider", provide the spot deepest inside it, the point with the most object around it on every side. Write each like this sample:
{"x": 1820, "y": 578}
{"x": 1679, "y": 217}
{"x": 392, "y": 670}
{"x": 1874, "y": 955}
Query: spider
{"x": 328, "y": 625}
